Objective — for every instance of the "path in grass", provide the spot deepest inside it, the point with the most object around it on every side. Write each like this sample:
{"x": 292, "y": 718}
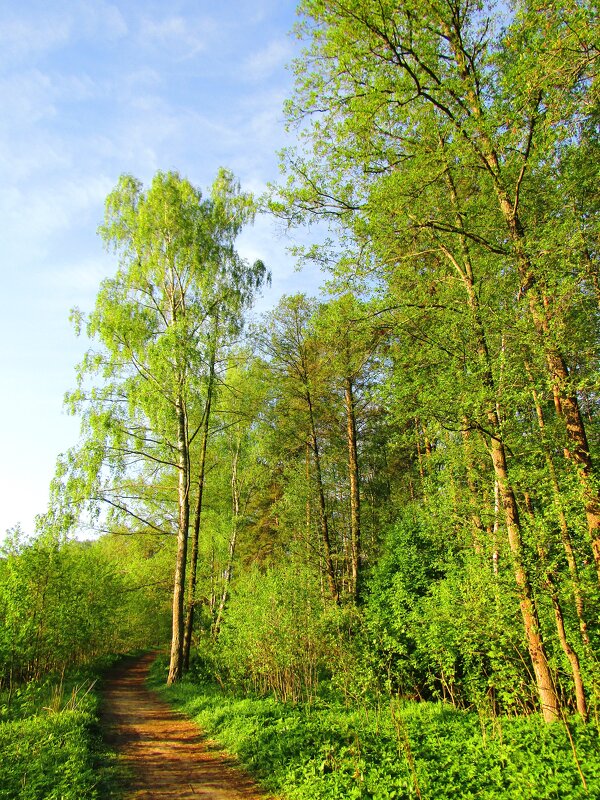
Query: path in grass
{"x": 165, "y": 753}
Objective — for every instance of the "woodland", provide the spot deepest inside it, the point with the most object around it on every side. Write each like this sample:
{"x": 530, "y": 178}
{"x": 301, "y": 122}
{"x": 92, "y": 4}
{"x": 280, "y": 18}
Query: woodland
{"x": 371, "y": 519}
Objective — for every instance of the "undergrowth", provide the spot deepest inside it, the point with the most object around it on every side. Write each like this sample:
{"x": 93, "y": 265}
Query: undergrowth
{"x": 428, "y": 751}
{"x": 50, "y": 742}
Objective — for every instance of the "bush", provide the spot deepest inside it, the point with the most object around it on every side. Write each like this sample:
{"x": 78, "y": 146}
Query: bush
{"x": 270, "y": 639}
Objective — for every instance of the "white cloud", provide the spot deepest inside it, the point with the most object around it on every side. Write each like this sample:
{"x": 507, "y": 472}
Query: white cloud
{"x": 265, "y": 62}
{"x": 27, "y": 98}
{"x": 101, "y": 19}
{"x": 81, "y": 280}
{"x": 32, "y": 97}
{"x": 22, "y": 39}
{"x": 36, "y": 213}
{"x": 141, "y": 79}
{"x": 185, "y": 38}
{"x": 26, "y": 159}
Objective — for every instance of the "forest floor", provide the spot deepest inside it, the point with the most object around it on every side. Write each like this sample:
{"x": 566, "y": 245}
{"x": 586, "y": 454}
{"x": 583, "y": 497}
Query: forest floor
{"x": 164, "y": 753}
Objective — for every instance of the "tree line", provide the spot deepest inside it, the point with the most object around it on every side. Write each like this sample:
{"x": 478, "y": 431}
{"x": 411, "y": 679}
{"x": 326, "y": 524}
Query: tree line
{"x": 392, "y": 487}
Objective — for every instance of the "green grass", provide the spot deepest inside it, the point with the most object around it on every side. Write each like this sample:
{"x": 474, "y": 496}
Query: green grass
{"x": 402, "y": 750}
{"x": 48, "y": 757}
{"x": 50, "y": 742}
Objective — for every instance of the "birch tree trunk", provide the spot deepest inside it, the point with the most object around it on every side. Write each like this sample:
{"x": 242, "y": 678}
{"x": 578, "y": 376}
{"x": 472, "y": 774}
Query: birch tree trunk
{"x": 235, "y": 501}
{"x": 353, "y": 474}
{"x": 176, "y": 662}
{"x": 191, "y": 595}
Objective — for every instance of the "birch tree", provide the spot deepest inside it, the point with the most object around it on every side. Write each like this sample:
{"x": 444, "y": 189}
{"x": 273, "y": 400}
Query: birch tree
{"x": 154, "y": 322}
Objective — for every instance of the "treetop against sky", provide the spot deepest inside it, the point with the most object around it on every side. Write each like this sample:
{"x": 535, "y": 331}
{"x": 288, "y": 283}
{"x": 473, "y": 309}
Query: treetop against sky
{"x": 90, "y": 90}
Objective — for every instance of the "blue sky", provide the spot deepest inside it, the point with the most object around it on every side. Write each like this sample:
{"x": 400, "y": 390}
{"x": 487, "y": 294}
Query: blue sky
{"x": 91, "y": 89}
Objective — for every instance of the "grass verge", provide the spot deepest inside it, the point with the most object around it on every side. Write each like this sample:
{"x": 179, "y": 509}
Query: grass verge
{"x": 398, "y": 750}
{"x": 51, "y": 746}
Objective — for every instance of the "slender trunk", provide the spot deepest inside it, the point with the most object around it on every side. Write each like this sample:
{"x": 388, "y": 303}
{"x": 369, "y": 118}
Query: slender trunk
{"x": 226, "y": 580}
{"x": 193, "y": 571}
{"x": 323, "y": 520}
{"x": 307, "y": 476}
{"x": 495, "y": 528}
{"x": 212, "y": 600}
{"x": 353, "y": 474}
{"x": 562, "y": 523}
{"x": 570, "y": 654}
{"x": 235, "y": 500}
{"x": 545, "y": 685}
{"x": 551, "y": 585}
{"x": 176, "y": 663}
{"x": 565, "y": 645}
{"x": 191, "y": 595}
{"x": 537, "y": 653}
{"x": 578, "y": 452}
{"x": 419, "y": 453}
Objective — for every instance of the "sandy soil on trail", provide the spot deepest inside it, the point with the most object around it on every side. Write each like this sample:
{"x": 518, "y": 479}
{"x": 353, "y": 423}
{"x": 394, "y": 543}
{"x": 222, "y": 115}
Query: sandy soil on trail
{"x": 166, "y": 753}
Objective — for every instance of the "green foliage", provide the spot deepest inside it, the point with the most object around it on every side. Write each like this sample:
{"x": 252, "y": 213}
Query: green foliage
{"x": 56, "y": 603}
{"x": 161, "y": 327}
{"x": 50, "y": 743}
{"x": 391, "y": 750}
{"x": 271, "y": 639}
{"x": 443, "y": 623}
{"x": 47, "y": 758}
{"x": 66, "y": 603}
{"x": 400, "y": 491}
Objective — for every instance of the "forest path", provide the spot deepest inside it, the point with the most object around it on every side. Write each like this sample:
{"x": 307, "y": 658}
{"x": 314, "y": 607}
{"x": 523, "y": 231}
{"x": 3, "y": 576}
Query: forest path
{"x": 166, "y": 753}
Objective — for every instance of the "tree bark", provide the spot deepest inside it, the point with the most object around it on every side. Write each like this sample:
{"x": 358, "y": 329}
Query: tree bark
{"x": 537, "y": 653}
{"x": 562, "y": 523}
{"x": 191, "y": 598}
{"x": 353, "y": 474}
{"x": 570, "y": 654}
{"x": 567, "y": 404}
{"x": 176, "y": 663}
{"x": 545, "y": 685}
{"x": 323, "y": 520}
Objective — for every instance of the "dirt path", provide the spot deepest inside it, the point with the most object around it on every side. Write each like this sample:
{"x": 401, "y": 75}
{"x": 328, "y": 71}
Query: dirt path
{"x": 165, "y": 752}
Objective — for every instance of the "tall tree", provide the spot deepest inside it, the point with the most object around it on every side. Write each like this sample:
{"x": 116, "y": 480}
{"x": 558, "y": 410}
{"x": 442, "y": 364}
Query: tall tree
{"x": 295, "y": 359}
{"x": 346, "y": 332}
{"x": 178, "y": 272}
{"x": 508, "y": 105}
